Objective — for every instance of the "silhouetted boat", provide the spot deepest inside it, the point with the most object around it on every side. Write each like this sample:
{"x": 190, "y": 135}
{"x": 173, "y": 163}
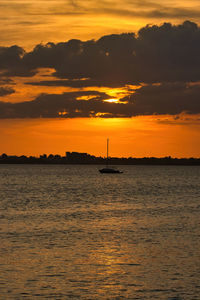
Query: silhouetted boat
{"x": 108, "y": 170}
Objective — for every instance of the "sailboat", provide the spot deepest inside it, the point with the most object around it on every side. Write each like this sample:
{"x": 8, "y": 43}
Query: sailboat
{"x": 107, "y": 169}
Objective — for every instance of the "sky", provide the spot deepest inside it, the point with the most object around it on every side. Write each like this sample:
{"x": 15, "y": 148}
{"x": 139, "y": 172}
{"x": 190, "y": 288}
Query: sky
{"x": 73, "y": 73}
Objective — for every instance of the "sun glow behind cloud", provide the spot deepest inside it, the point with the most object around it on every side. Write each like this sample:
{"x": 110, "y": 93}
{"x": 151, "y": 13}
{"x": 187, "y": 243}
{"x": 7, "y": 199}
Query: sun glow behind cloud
{"x": 111, "y": 100}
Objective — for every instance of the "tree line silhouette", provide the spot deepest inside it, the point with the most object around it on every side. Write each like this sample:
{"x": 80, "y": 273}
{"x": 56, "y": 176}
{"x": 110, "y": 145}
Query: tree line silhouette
{"x": 85, "y": 158}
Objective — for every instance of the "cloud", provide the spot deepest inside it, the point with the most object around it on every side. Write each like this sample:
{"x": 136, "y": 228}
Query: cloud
{"x": 79, "y": 83}
{"x": 11, "y": 62}
{"x": 164, "y": 53}
{"x": 163, "y": 59}
{"x": 166, "y": 98}
{"x": 6, "y": 91}
{"x": 28, "y": 22}
{"x": 122, "y": 9}
{"x": 157, "y": 54}
{"x": 161, "y": 12}
{"x": 170, "y": 98}
{"x": 54, "y": 105}
{"x": 6, "y": 81}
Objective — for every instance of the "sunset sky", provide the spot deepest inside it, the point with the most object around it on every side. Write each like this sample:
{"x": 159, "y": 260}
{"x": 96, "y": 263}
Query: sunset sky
{"x": 76, "y": 72}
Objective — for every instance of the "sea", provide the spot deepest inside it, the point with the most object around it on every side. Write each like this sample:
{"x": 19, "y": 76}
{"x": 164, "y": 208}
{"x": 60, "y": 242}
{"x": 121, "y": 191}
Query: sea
{"x": 69, "y": 232}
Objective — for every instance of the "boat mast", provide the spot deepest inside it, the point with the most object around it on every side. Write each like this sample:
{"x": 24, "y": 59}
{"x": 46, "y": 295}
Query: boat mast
{"x": 107, "y": 152}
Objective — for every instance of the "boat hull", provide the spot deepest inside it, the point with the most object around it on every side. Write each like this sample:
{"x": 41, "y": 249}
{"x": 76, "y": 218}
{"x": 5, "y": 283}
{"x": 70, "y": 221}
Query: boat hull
{"x": 110, "y": 171}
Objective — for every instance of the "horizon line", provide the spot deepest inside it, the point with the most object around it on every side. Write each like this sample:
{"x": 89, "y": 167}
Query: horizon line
{"x": 85, "y": 154}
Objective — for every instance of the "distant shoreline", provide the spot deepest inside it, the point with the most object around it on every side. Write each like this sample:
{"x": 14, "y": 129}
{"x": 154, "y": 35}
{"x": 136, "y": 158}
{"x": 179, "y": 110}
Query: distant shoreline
{"x": 73, "y": 158}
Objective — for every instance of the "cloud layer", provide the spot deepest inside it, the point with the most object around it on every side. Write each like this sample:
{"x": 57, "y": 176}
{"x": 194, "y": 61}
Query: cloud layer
{"x": 164, "y": 60}
{"x": 156, "y": 54}
{"x": 163, "y": 99}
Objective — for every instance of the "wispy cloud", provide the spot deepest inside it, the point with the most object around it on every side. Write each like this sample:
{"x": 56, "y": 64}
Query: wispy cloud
{"x": 27, "y": 22}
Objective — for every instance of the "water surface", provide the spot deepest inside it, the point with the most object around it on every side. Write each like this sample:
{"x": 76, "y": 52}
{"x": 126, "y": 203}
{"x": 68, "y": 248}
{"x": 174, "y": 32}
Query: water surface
{"x": 69, "y": 232}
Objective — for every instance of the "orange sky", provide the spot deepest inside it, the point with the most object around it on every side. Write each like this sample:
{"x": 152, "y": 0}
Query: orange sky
{"x": 138, "y": 137}
{"x": 27, "y": 23}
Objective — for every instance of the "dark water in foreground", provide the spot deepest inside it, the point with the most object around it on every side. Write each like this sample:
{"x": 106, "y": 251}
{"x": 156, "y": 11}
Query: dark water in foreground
{"x": 69, "y": 232}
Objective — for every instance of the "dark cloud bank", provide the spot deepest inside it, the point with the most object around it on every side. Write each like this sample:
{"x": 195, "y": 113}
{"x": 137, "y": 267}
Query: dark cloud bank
{"x": 166, "y": 58}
